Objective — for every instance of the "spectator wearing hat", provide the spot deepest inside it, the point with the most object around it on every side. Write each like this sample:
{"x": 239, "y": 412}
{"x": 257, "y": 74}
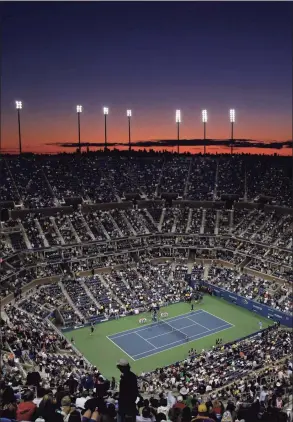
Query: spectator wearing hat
{"x": 128, "y": 392}
{"x": 202, "y": 414}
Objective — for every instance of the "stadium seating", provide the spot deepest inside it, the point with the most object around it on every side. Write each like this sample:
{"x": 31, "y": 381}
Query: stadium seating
{"x": 75, "y": 250}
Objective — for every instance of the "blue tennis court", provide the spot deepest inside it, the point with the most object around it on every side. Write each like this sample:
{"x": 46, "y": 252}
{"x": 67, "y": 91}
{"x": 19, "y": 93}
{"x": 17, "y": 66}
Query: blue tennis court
{"x": 153, "y": 338}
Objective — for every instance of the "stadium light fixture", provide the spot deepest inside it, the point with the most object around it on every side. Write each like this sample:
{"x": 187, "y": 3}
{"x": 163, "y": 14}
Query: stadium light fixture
{"x": 232, "y": 121}
{"x": 78, "y": 111}
{"x": 232, "y": 115}
{"x": 18, "y": 106}
{"x": 178, "y": 121}
{"x": 129, "y": 115}
{"x": 204, "y": 115}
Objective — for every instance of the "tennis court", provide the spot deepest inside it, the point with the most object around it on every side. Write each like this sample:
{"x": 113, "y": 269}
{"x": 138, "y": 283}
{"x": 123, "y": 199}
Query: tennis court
{"x": 166, "y": 334}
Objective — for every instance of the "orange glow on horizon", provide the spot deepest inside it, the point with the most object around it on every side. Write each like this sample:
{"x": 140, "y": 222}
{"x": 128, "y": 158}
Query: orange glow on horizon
{"x": 37, "y": 133}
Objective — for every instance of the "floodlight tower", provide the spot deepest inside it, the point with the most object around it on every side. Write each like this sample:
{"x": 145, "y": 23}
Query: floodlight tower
{"x": 129, "y": 114}
{"x": 232, "y": 121}
{"x": 204, "y": 114}
{"x": 178, "y": 121}
{"x": 18, "y": 105}
{"x": 78, "y": 111}
{"x": 106, "y": 112}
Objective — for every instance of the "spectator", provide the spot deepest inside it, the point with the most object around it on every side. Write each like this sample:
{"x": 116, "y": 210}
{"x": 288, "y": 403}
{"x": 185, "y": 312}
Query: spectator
{"x": 202, "y": 414}
{"x": 47, "y": 409}
{"x": 186, "y": 414}
{"x": 26, "y": 409}
{"x": 146, "y": 416}
{"x": 163, "y": 407}
{"x": 179, "y": 404}
{"x": 128, "y": 392}
{"x": 227, "y": 417}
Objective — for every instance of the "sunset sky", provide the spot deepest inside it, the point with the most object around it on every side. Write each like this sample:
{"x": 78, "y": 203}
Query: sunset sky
{"x": 151, "y": 57}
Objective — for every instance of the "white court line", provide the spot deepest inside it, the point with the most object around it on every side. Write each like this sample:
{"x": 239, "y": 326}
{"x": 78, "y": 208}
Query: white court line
{"x": 147, "y": 326}
{"x": 173, "y": 347}
{"x": 175, "y": 329}
{"x": 208, "y": 329}
{"x": 221, "y": 319}
{"x": 194, "y": 335}
{"x": 121, "y": 349}
{"x": 146, "y": 340}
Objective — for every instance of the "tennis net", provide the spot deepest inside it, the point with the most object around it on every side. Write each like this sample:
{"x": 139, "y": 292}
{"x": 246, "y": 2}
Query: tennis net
{"x": 173, "y": 329}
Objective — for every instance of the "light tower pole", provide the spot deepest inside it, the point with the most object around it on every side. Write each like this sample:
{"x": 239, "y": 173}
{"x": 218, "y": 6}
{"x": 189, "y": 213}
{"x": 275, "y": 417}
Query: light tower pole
{"x": 178, "y": 121}
{"x": 129, "y": 114}
{"x": 78, "y": 111}
{"x": 232, "y": 121}
{"x": 204, "y": 114}
{"x": 18, "y": 105}
{"x": 106, "y": 112}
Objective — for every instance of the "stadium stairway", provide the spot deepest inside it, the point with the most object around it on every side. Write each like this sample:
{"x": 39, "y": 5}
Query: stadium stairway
{"x": 57, "y": 230}
{"x": 115, "y": 225}
{"x": 73, "y": 229}
{"x": 101, "y": 225}
{"x": 103, "y": 281}
{"x": 43, "y": 237}
{"x": 89, "y": 293}
{"x": 203, "y": 220}
{"x": 186, "y": 185}
{"x": 127, "y": 222}
{"x": 161, "y": 219}
{"x": 71, "y": 303}
{"x": 86, "y": 226}
{"x": 188, "y": 220}
{"x": 149, "y": 217}
{"x": 25, "y": 236}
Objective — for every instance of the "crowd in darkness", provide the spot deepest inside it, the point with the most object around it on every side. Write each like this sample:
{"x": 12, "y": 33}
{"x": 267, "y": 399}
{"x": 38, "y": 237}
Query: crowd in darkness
{"x": 42, "y": 181}
{"x": 108, "y": 262}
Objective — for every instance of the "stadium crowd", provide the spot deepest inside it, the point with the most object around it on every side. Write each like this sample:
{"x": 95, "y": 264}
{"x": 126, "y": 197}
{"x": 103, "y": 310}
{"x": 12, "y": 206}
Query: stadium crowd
{"x": 98, "y": 262}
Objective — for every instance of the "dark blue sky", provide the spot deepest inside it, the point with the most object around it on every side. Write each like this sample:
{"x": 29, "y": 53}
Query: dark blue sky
{"x": 152, "y": 57}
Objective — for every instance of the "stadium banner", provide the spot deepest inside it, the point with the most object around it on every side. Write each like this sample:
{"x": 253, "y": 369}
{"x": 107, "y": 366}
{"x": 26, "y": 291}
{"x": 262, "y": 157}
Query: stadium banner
{"x": 252, "y": 306}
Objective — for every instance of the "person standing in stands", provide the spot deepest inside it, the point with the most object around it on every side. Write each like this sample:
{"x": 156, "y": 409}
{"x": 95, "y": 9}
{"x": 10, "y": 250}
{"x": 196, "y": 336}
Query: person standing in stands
{"x": 128, "y": 392}
{"x": 26, "y": 409}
